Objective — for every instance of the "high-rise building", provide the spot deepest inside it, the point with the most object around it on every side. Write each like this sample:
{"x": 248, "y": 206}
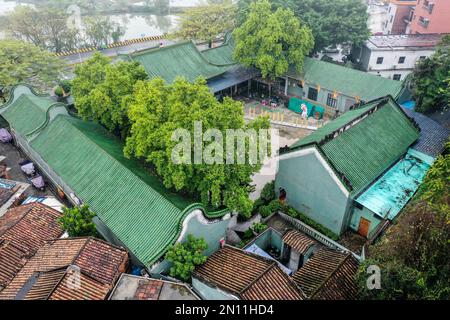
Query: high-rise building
{"x": 398, "y": 16}
{"x": 430, "y": 16}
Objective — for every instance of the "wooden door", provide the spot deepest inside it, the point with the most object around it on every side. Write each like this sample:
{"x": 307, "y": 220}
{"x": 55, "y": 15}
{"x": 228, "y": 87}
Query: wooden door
{"x": 364, "y": 226}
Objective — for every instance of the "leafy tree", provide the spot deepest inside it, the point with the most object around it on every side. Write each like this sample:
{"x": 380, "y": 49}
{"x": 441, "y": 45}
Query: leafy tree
{"x": 332, "y": 22}
{"x": 272, "y": 41}
{"x": 78, "y": 221}
{"x": 185, "y": 256}
{"x": 21, "y": 62}
{"x": 413, "y": 255}
{"x": 101, "y": 90}
{"x": 157, "y": 109}
{"x": 44, "y": 27}
{"x": 206, "y": 22}
{"x": 431, "y": 79}
{"x": 101, "y": 31}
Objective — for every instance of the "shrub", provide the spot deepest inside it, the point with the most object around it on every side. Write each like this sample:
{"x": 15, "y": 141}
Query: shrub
{"x": 265, "y": 211}
{"x": 66, "y": 86}
{"x": 59, "y": 92}
{"x": 78, "y": 221}
{"x": 259, "y": 227}
{"x": 268, "y": 192}
{"x": 185, "y": 256}
{"x": 248, "y": 234}
{"x": 267, "y": 195}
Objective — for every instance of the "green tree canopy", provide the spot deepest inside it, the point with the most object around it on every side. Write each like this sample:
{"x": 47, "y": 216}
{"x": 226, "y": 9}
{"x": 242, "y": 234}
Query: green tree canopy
{"x": 21, "y": 62}
{"x": 272, "y": 41}
{"x": 414, "y": 254}
{"x": 78, "y": 222}
{"x": 332, "y": 22}
{"x": 206, "y": 22}
{"x": 185, "y": 256}
{"x": 431, "y": 79}
{"x": 44, "y": 27}
{"x": 101, "y": 31}
{"x": 158, "y": 109}
{"x": 101, "y": 90}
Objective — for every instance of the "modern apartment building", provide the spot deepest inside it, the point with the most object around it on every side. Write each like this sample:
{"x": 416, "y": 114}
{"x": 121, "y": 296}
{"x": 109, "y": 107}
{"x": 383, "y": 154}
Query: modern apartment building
{"x": 398, "y": 16}
{"x": 430, "y": 16}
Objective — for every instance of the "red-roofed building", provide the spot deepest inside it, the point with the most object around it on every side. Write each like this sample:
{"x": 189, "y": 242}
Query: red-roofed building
{"x": 23, "y": 231}
{"x": 69, "y": 269}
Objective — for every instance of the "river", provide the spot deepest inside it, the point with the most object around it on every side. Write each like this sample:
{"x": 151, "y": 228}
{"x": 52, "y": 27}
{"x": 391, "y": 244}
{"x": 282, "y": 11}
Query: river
{"x": 135, "y": 25}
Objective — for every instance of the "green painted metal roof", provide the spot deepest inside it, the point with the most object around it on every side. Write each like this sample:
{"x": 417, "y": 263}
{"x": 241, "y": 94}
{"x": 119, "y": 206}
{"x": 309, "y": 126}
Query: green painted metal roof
{"x": 134, "y": 205}
{"x": 348, "y": 81}
{"x": 182, "y": 59}
{"x": 29, "y": 111}
{"x": 222, "y": 54}
{"x": 381, "y": 133}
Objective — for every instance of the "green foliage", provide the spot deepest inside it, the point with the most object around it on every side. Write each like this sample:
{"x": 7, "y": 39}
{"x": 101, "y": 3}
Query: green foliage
{"x": 185, "y": 256}
{"x": 270, "y": 208}
{"x": 267, "y": 195}
{"x": 158, "y": 109}
{"x": 331, "y": 22}
{"x": 101, "y": 31}
{"x": 59, "y": 92}
{"x": 272, "y": 41}
{"x": 66, "y": 85}
{"x": 305, "y": 219}
{"x": 78, "y": 221}
{"x": 259, "y": 227}
{"x": 44, "y": 27}
{"x": 334, "y": 22}
{"x": 206, "y": 22}
{"x": 21, "y": 62}
{"x": 431, "y": 79}
{"x": 102, "y": 90}
{"x": 414, "y": 253}
{"x": 268, "y": 192}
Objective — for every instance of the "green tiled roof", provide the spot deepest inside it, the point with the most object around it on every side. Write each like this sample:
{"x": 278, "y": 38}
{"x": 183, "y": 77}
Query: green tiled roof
{"x": 30, "y": 110}
{"x": 369, "y": 147}
{"x": 182, "y": 59}
{"x": 222, "y": 54}
{"x": 348, "y": 81}
{"x": 137, "y": 208}
{"x": 133, "y": 204}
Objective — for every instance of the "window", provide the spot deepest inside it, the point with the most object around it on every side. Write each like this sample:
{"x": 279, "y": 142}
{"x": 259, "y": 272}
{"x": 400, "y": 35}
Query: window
{"x": 392, "y": 18}
{"x": 312, "y": 94}
{"x": 397, "y": 77}
{"x": 401, "y": 60}
{"x": 380, "y": 60}
{"x": 422, "y": 57}
{"x": 423, "y": 22}
{"x": 331, "y": 102}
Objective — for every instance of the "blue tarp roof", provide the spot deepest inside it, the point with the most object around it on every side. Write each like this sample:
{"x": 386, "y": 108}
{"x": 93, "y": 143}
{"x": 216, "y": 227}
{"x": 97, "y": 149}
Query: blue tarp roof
{"x": 396, "y": 187}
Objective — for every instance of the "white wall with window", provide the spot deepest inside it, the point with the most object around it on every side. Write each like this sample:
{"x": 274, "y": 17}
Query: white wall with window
{"x": 389, "y": 62}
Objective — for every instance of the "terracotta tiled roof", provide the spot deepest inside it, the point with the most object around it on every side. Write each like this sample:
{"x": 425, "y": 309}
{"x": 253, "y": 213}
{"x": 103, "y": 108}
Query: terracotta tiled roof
{"x": 247, "y": 275}
{"x": 100, "y": 265}
{"x": 298, "y": 240}
{"x": 89, "y": 289}
{"x": 23, "y": 230}
{"x": 5, "y": 194}
{"x": 329, "y": 274}
{"x": 273, "y": 285}
{"x": 12, "y": 259}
